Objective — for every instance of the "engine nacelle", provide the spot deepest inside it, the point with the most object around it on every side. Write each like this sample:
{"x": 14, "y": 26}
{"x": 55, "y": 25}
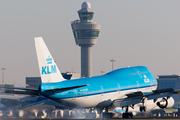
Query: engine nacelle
{"x": 166, "y": 103}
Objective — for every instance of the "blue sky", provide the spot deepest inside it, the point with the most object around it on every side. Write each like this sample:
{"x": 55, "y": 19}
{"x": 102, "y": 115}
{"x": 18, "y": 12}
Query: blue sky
{"x": 133, "y": 32}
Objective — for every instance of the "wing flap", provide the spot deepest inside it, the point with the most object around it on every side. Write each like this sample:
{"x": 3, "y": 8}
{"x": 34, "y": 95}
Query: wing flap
{"x": 132, "y": 99}
{"x": 127, "y": 101}
{"x": 135, "y": 94}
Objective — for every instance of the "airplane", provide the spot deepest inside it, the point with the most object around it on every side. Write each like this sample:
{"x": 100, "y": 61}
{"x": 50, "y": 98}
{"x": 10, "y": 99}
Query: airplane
{"x": 124, "y": 87}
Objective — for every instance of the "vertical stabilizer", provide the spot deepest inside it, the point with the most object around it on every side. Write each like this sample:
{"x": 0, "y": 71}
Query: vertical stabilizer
{"x": 48, "y": 69}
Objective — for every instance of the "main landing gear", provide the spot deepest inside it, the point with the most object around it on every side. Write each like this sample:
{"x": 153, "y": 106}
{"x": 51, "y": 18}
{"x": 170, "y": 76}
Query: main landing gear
{"x": 128, "y": 114}
{"x": 107, "y": 115}
{"x": 142, "y": 108}
{"x": 104, "y": 114}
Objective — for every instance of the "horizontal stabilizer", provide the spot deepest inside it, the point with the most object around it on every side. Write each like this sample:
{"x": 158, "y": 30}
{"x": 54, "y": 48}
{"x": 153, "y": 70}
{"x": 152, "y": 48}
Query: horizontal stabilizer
{"x": 25, "y": 97}
{"x": 21, "y": 91}
{"x": 19, "y": 88}
{"x": 26, "y": 92}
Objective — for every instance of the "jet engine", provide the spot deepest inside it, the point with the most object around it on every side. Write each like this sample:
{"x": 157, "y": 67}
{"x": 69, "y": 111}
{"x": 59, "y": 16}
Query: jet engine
{"x": 165, "y": 103}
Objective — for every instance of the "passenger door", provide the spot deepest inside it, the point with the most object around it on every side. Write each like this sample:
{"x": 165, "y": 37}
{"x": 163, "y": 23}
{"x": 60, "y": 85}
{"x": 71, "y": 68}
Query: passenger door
{"x": 102, "y": 90}
{"x": 118, "y": 88}
{"x": 75, "y": 94}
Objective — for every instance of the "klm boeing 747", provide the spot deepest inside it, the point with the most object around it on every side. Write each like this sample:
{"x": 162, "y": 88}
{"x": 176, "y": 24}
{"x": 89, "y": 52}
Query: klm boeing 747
{"x": 124, "y": 87}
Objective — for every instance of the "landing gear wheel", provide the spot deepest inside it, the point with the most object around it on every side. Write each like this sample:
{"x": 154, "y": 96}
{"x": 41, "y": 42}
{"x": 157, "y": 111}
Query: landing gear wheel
{"x": 127, "y": 115}
{"x": 142, "y": 108}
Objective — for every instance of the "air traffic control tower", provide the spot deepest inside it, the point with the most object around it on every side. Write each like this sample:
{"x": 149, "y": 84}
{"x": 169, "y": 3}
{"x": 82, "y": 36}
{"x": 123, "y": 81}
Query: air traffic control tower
{"x": 85, "y": 33}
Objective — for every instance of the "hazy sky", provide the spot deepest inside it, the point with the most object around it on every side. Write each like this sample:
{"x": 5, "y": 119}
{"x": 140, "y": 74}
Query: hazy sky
{"x": 133, "y": 32}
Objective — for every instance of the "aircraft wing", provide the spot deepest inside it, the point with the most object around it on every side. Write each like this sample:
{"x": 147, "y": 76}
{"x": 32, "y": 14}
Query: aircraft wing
{"x": 160, "y": 93}
{"x": 138, "y": 97}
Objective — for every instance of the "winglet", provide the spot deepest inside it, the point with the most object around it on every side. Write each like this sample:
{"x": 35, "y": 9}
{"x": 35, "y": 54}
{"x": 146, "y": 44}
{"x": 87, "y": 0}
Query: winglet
{"x": 48, "y": 69}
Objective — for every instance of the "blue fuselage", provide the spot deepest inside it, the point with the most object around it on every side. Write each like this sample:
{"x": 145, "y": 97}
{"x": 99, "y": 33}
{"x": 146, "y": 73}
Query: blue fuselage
{"x": 130, "y": 78}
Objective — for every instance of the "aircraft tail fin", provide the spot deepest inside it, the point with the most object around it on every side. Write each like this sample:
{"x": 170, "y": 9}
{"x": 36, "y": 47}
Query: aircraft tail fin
{"x": 48, "y": 69}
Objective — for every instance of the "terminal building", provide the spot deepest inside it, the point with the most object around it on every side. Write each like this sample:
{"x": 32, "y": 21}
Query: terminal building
{"x": 33, "y": 82}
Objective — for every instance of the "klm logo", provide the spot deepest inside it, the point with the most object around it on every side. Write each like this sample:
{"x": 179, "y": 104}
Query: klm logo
{"x": 146, "y": 80}
{"x": 49, "y": 60}
{"x": 49, "y": 69}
